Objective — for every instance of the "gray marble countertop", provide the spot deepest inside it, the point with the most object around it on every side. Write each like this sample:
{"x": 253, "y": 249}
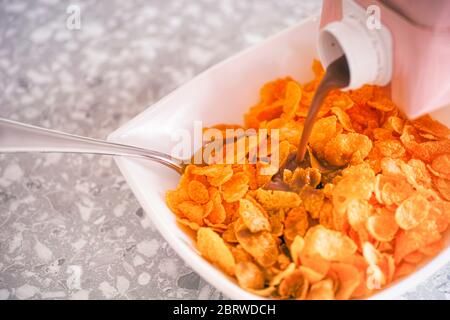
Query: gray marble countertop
{"x": 69, "y": 225}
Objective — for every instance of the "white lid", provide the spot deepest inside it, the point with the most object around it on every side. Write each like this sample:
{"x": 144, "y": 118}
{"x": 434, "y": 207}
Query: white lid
{"x": 368, "y": 50}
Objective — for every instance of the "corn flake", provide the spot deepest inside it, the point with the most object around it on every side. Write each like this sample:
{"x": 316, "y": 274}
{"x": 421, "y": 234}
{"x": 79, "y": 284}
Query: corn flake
{"x": 331, "y": 245}
{"x": 391, "y": 148}
{"x": 443, "y": 186}
{"x": 261, "y": 245}
{"x": 323, "y": 131}
{"x": 294, "y": 286}
{"x": 192, "y": 211}
{"x": 296, "y": 223}
{"x": 343, "y": 118}
{"x": 382, "y": 227}
{"x": 292, "y": 99}
{"x": 253, "y": 216}
{"x": 416, "y": 238}
{"x": 216, "y": 213}
{"x": 322, "y": 290}
{"x": 276, "y": 199}
{"x": 312, "y": 200}
{"x": 235, "y": 188}
{"x": 214, "y": 249}
{"x": 249, "y": 275}
{"x": 347, "y": 148}
{"x": 412, "y": 212}
{"x": 217, "y": 174}
{"x": 349, "y": 279}
{"x": 296, "y": 248}
{"x": 198, "y": 192}
{"x": 441, "y": 166}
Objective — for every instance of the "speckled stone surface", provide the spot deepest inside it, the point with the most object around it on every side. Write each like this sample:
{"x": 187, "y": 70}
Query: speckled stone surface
{"x": 70, "y": 228}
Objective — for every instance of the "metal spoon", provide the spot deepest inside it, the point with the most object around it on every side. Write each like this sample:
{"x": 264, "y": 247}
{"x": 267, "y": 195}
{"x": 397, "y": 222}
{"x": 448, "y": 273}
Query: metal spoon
{"x": 20, "y": 137}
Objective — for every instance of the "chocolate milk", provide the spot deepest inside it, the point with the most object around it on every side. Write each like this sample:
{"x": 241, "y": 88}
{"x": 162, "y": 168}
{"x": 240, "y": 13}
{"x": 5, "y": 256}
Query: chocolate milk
{"x": 336, "y": 76}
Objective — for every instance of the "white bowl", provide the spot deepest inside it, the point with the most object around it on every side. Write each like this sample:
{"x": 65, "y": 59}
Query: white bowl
{"x": 221, "y": 95}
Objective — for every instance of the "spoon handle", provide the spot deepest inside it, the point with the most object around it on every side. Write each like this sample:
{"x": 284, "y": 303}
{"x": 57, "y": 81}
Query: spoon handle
{"x": 20, "y": 137}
